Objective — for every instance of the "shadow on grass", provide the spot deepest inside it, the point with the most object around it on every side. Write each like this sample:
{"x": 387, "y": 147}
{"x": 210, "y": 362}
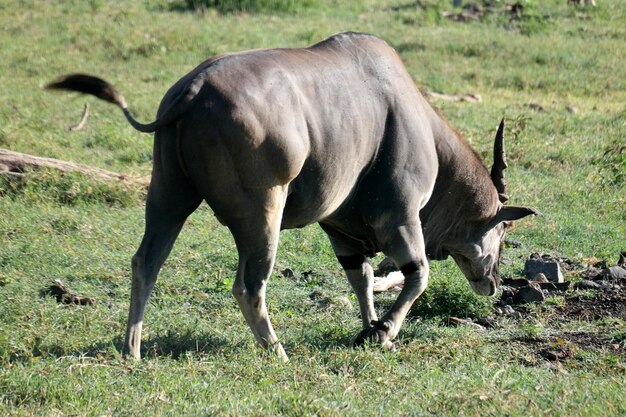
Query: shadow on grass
{"x": 178, "y": 345}
{"x": 174, "y": 345}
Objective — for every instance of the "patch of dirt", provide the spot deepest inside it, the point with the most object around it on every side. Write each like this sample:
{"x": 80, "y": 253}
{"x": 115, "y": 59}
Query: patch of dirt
{"x": 573, "y": 318}
{"x": 590, "y": 317}
{"x": 600, "y": 305}
{"x": 567, "y": 346}
{"x": 558, "y": 344}
{"x": 596, "y": 341}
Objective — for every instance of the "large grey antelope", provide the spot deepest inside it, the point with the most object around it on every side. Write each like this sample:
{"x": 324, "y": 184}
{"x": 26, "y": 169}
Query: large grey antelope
{"x": 336, "y": 133}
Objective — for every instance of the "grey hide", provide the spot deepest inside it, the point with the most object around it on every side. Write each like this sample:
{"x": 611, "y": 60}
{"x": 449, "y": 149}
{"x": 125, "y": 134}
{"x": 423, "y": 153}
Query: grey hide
{"x": 336, "y": 133}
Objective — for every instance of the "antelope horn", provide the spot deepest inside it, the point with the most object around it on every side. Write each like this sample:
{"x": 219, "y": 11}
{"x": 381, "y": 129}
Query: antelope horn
{"x": 499, "y": 164}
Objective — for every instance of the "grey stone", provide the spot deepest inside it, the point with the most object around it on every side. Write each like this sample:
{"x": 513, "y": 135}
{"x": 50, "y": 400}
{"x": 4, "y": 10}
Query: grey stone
{"x": 507, "y": 291}
{"x": 511, "y": 313}
{"x": 543, "y": 265}
{"x": 529, "y": 294}
{"x": 555, "y": 286}
{"x": 508, "y": 310}
{"x": 540, "y": 278}
{"x": 456, "y": 322}
{"x": 615, "y": 272}
{"x": 515, "y": 282}
{"x": 586, "y": 284}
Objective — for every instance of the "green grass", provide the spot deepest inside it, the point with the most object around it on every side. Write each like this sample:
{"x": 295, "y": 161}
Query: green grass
{"x": 200, "y": 357}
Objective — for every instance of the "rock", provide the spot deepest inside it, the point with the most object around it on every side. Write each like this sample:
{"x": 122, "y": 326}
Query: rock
{"x": 507, "y": 291}
{"x": 536, "y": 264}
{"x": 610, "y": 287}
{"x": 586, "y": 284}
{"x": 508, "y": 310}
{"x": 507, "y": 294}
{"x": 540, "y": 278}
{"x": 508, "y": 301}
{"x": 616, "y": 273}
{"x": 288, "y": 273}
{"x": 571, "y": 109}
{"x": 457, "y": 322}
{"x": 529, "y": 294}
{"x": 515, "y": 282}
{"x": 555, "y": 286}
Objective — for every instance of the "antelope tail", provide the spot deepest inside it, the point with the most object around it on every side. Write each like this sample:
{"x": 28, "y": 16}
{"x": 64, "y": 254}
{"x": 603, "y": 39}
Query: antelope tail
{"x": 88, "y": 84}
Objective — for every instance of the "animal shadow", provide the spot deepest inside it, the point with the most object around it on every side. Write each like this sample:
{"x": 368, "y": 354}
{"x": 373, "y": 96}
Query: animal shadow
{"x": 175, "y": 344}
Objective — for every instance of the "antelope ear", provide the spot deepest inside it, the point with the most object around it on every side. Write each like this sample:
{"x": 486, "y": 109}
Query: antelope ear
{"x": 512, "y": 213}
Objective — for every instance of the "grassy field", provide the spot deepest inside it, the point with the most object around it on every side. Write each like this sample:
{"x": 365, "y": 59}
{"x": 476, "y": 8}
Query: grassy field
{"x": 556, "y": 72}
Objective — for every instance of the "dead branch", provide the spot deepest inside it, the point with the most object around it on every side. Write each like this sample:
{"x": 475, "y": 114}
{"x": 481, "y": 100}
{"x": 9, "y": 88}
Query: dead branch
{"x": 392, "y": 280}
{"x": 456, "y": 98}
{"x": 16, "y": 163}
{"x": 83, "y": 120}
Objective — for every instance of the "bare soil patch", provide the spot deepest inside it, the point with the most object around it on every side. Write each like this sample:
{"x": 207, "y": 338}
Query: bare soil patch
{"x": 600, "y": 305}
{"x": 586, "y": 317}
{"x": 565, "y": 336}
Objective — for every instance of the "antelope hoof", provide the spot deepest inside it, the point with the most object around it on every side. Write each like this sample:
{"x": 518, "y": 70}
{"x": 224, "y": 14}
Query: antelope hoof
{"x": 130, "y": 352}
{"x": 278, "y": 352}
{"x": 378, "y": 333}
{"x": 129, "y": 355}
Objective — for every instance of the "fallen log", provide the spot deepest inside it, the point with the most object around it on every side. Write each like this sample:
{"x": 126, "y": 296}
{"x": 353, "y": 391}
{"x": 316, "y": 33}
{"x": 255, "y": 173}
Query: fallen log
{"x": 455, "y": 98}
{"x": 17, "y": 164}
{"x": 394, "y": 279}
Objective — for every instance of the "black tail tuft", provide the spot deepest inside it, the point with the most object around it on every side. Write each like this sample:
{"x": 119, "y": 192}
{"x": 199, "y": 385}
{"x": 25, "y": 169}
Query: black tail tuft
{"x": 88, "y": 84}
